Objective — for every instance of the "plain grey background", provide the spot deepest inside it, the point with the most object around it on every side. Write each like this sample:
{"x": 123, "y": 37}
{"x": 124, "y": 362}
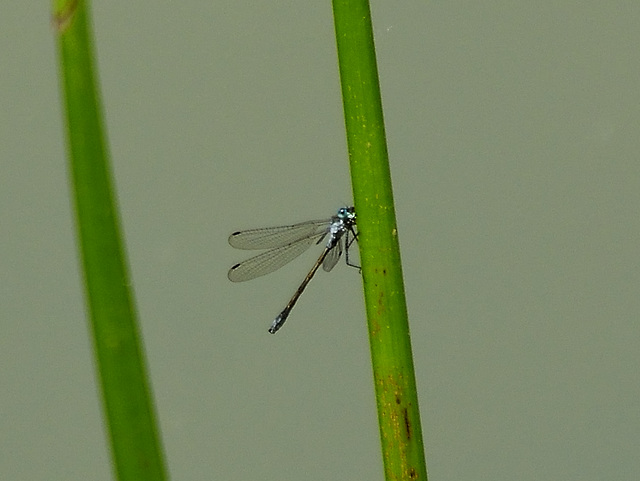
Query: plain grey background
{"x": 513, "y": 131}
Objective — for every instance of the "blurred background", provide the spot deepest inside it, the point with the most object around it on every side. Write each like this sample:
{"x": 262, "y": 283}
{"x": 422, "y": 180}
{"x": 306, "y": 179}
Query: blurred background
{"x": 513, "y": 131}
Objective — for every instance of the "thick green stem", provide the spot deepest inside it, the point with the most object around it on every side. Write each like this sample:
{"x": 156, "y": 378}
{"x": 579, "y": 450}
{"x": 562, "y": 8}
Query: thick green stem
{"x": 396, "y": 396}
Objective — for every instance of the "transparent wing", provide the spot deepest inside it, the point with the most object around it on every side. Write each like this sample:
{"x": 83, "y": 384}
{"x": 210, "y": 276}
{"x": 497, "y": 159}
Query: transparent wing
{"x": 272, "y": 237}
{"x": 333, "y": 256}
{"x": 270, "y": 260}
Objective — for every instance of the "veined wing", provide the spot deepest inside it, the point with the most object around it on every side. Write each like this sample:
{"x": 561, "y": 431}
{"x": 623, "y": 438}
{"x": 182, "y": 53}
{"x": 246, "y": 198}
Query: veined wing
{"x": 272, "y": 237}
{"x": 333, "y": 256}
{"x": 271, "y": 260}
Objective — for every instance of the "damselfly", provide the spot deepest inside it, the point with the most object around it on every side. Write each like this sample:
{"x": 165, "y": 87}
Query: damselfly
{"x": 286, "y": 243}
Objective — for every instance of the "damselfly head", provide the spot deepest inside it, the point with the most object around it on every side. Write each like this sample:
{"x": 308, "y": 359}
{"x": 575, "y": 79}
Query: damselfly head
{"x": 347, "y": 214}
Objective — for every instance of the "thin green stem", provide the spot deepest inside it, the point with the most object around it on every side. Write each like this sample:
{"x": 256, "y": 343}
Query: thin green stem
{"x": 129, "y": 413}
{"x": 396, "y": 396}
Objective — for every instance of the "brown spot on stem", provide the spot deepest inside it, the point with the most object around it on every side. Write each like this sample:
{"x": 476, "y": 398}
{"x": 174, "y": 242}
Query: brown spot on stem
{"x": 62, "y": 19}
{"x": 407, "y": 423}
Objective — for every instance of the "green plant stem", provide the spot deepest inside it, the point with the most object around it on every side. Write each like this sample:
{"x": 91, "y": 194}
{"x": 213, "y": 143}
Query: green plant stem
{"x": 129, "y": 414}
{"x": 394, "y": 379}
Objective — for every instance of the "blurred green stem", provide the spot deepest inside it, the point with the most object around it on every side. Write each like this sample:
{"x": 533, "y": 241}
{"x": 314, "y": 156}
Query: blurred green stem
{"x": 135, "y": 446}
